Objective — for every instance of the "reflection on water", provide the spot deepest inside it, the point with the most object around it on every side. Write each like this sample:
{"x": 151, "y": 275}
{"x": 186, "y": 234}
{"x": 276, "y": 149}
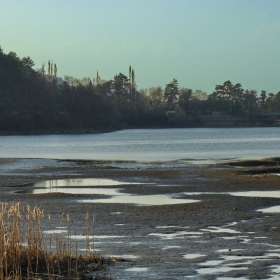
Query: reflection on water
{"x": 137, "y": 269}
{"x": 270, "y": 194}
{"x": 176, "y": 235}
{"x": 141, "y": 200}
{"x": 219, "y": 230}
{"x": 193, "y": 256}
{"x": 81, "y": 182}
{"x": 73, "y": 186}
{"x": 55, "y": 231}
{"x": 148, "y": 145}
{"x": 130, "y": 256}
{"x": 83, "y": 237}
{"x": 100, "y": 191}
{"x": 273, "y": 209}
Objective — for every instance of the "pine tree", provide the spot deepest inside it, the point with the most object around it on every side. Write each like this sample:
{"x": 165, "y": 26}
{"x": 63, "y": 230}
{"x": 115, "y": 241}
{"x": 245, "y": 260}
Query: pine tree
{"x": 97, "y": 79}
{"x": 170, "y": 93}
{"x": 55, "y": 71}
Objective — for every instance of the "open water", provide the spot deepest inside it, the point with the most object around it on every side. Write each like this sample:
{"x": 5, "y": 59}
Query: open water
{"x": 149, "y": 145}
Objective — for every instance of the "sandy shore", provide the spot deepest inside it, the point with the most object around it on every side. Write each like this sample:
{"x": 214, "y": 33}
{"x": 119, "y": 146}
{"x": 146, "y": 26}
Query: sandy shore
{"x": 220, "y": 236}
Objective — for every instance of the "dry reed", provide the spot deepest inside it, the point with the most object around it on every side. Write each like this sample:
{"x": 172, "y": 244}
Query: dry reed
{"x": 25, "y": 253}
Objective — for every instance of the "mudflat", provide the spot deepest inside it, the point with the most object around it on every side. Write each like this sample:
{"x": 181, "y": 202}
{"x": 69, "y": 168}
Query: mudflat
{"x": 201, "y": 231}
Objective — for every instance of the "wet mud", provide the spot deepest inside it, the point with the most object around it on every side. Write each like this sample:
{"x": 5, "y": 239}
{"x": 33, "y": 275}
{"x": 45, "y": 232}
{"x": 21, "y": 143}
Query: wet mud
{"x": 220, "y": 236}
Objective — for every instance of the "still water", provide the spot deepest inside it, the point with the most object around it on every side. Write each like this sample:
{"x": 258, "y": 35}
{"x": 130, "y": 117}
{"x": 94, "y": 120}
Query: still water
{"x": 148, "y": 145}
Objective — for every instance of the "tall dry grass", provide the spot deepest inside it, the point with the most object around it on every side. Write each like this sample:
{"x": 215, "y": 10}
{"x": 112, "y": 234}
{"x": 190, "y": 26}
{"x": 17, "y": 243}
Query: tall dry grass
{"x": 25, "y": 253}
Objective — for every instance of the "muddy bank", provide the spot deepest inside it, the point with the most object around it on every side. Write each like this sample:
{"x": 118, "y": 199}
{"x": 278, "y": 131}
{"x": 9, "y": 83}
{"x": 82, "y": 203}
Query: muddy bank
{"x": 219, "y": 235}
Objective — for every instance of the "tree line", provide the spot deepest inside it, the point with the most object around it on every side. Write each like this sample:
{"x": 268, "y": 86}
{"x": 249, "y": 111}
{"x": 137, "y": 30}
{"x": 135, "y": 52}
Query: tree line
{"x": 37, "y": 101}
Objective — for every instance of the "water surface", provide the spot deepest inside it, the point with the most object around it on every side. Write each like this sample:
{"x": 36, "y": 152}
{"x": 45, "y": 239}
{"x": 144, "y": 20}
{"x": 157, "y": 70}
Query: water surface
{"x": 148, "y": 145}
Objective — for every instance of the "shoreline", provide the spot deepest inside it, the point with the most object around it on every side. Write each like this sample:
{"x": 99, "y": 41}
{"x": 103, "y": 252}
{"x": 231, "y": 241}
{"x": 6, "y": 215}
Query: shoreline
{"x": 158, "y": 240}
{"x": 110, "y": 130}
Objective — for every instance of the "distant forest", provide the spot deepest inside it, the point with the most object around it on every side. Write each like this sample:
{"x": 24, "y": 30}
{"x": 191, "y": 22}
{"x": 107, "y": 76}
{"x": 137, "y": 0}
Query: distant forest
{"x": 37, "y": 101}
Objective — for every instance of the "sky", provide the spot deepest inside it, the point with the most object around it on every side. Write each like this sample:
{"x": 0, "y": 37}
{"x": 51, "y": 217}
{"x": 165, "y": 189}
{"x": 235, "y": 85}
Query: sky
{"x": 201, "y": 43}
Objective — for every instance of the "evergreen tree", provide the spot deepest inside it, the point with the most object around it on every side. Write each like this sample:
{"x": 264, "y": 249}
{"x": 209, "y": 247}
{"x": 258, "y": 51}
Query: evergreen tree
{"x": 171, "y": 92}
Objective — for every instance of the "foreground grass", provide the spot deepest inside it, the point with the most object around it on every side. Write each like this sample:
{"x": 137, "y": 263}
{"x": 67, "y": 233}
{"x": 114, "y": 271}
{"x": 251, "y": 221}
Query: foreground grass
{"x": 25, "y": 253}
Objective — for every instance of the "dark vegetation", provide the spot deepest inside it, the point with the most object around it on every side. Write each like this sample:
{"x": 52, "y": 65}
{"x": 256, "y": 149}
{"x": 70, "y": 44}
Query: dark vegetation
{"x": 39, "y": 102}
{"x": 260, "y": 167}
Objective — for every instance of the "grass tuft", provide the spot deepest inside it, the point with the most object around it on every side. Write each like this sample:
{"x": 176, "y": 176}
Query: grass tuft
{"x": 25, "y": 253}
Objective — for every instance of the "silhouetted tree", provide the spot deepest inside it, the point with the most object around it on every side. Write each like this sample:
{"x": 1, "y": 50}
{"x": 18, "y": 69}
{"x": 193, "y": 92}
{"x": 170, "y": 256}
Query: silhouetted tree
{"x": 171, "y": 92}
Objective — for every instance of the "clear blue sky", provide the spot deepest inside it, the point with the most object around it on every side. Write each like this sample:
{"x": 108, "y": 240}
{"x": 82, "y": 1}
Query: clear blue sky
{"x": 201, "y": 43}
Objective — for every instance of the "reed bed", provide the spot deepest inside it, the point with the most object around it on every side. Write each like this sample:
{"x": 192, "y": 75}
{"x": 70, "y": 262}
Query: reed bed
{"x": 27, "y": 253}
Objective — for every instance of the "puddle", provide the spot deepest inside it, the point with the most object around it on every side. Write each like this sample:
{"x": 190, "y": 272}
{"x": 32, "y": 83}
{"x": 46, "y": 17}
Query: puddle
{"x": 106, "y": 243}
{"x": 137, "y": 269}
{"x": 273, "y": 209}
{"x": 269, "y": 194}
{"x": 81, "y": 182}
{"x": 166, "y": 226}
{"x": 82, "y": 237}
{"x": 228, "y": 263}
{"x": 193, "y": 256}
{"x": 239, "y": 258}
{"x": 215, "y": 270}
{"x": 179, "y": 234}
{"x": 76, "y": 186}
{"x": 234, "y": 237}
{"x": 55, "y": 231}
{"x": 126, "y": 256}
{"x": 141, "y": 200}
{"x": 211, "y": 263}
{"x": 201, "y": 193}
{"x": 246, "y": 240}
{"x": 275, "y": 269}
{"x": 228, "y": 250}
{"x": 135, "y": 243}
{"x": 100, "y": 191}
{"x": 272, "y": 255}
{"x": 220, "y": 229}
{"x": 171, "y": 227}
{"x": 171, "y": 247}
{"x": 230, "y": 278}
{"x": 231, "y": 224}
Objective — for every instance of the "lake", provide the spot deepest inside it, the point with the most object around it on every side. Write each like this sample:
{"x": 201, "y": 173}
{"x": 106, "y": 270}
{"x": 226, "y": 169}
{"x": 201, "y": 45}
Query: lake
{"x": 149, "y": 145}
